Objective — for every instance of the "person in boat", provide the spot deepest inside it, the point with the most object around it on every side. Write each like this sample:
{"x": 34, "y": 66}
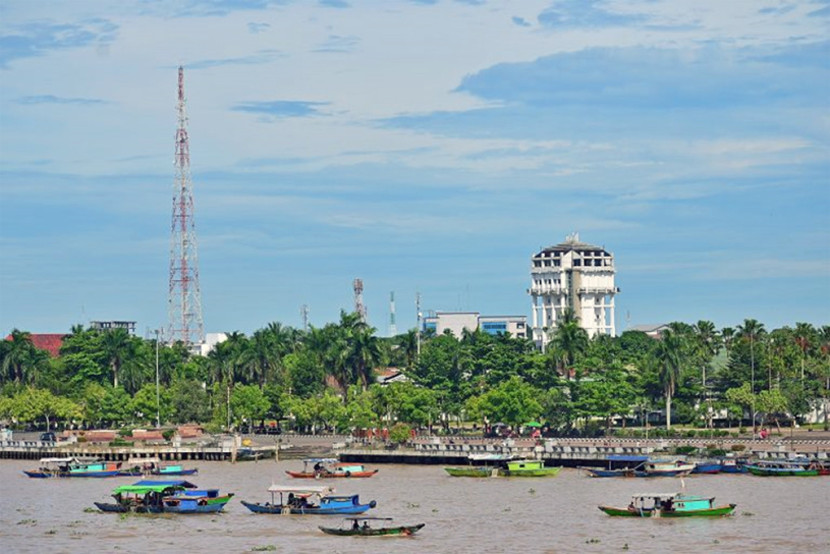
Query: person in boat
{"x": 355, "y": 526}
{"x": 291, "y": 500}
{"x": 365, "y": 526}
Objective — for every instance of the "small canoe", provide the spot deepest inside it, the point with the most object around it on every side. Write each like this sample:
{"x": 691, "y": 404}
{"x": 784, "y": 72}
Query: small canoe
{"x": 358, "y": 529}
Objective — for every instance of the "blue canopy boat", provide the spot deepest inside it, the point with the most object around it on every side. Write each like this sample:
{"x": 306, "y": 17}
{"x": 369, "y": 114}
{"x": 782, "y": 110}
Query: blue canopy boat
{"x": 71, "y": 467}
{"x": 309, "y": 500}
{"x": 206, "y": 501}
{"x": 153, "y": 466}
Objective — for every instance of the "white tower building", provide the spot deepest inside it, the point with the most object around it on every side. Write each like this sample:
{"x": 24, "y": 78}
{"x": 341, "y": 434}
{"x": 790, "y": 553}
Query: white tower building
{"x": 573, "y": 275}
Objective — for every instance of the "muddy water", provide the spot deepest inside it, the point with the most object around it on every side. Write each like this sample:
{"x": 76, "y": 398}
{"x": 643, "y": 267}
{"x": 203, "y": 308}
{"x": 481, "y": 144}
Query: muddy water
{"x": 461, "y": 514}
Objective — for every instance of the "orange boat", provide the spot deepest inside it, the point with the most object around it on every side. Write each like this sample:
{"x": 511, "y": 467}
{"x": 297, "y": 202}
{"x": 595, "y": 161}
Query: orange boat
{"x": 327, "y": 468}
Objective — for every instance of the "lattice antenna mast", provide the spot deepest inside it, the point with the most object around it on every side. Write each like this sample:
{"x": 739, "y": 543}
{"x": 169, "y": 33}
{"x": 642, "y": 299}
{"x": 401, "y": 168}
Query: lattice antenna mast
{"x": 304, "y": 315}
{"x": 359, "y": 307}
{"x": 184, "y": 301}
{"x": 393, "y": 328}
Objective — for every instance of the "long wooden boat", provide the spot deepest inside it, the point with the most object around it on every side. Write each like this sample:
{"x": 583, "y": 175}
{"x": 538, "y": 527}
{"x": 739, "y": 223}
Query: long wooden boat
{"x": 309, "y": 501}
{"x": 471, "y": 471}
{"x": 622, "y": 472}
{"x": 659, "y": 468}
{"x": 328, "y": 468}
{"x": 71, "y": 467}
{"x": 708, "y": 467}
{"x": 144, "y": 496}
{"x": 153, "y": 466}
{"x": 670, "y": 505}
{"x": 207, "y": 501}
{"x": 529, "y": 468}
{"x": 359, "y": 527}
{"x": 781, "y": 469}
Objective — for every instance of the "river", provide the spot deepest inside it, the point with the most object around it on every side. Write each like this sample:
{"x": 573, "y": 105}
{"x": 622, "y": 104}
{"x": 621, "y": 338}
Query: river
{"x": 528, "y": 515}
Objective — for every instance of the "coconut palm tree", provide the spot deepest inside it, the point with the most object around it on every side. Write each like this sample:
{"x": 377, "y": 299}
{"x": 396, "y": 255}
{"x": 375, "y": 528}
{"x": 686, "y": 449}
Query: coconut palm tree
{"x": 116, "y": 347}
{"x": 751, "y": 331}
{"x": 708, "y": 342}
{"x": 805, "y": 337}
{"x": 569, "y": 341}
{"x": 670, "y": 357}
{"x": 17, "y": 355}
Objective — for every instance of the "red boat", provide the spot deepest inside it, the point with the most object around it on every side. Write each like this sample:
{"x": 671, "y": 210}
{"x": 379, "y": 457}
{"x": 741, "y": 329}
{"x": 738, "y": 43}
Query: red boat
{"x": 327, "y": 468}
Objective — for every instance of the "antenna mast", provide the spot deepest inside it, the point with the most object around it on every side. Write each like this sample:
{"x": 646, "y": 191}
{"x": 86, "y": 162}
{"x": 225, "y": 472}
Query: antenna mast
{"x": 184, "y": 299}
{"x": 393, "y": 329}
{"x": 359, "y": 307}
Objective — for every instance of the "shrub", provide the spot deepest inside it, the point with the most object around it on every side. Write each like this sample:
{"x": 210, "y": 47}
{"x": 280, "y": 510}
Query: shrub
{"x": 125, "y": 432}
{"x": 738, "y": 447}
{"x": 685, "y": 450}
{"x": 168, "y": 434}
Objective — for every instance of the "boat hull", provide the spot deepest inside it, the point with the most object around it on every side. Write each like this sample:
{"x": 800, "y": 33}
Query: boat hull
{"x": 201, "y": 505}
{"x": 634, "y": 512}
{"x": 469, "y": 471}
{"x": 278, "y": 509}
{"x": 402, "y": 531}
{"x": 539, "y": 472}
{"x": 331, "y": 475}
{"x": 778, "y": 472}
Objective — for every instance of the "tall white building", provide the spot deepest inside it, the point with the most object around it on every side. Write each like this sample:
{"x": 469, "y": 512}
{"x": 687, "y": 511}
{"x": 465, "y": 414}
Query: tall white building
{"x": 573, "y": 275}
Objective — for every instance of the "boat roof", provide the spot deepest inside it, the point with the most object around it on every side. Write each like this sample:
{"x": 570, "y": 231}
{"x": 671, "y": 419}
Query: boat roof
{"x": 482, "y": 457}
{"x": 300, "y": 489}
{"x": 320, "y": 460}
{"x": 164, "y": 483}
{"x": 627, "y": 458}
{"x": 656, "y": 495}
{"x": 143, "y": 461}
{"x": 358, "y": 518}
{"x": 57, "y": 460}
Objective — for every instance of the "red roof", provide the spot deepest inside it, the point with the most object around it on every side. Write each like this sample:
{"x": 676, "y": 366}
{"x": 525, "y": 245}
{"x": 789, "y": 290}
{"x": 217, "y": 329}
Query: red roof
{"x": 51, "y": 342}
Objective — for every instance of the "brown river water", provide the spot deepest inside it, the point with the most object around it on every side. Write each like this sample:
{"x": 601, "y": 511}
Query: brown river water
{"x": 526, "y": 515}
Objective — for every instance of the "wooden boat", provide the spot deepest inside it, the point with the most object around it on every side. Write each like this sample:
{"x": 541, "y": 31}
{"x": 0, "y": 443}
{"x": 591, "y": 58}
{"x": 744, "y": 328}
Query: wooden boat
{"x": 71, "y": 467}
{"x": 359, "y": 527}
{"x": 326, "y": 468}
{"x": 733, "y": 465}
{"x": 153, "y": 466}
{"x": 660, "y": 468}
{"x": 309, "y": 500}
{"x": 623, "y": 472}
{"x": 143, "y": 496}
{"x": 708, "y": 467}
{"x": 206, "y": 501}
{"x": 529, "y": 468}
{"x": 670, "y": 505}
{"x": 471, "y": 471}
{"x": 781, "y": 469}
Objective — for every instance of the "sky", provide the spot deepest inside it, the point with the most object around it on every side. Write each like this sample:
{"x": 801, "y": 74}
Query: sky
{"x": 425, "y": 147}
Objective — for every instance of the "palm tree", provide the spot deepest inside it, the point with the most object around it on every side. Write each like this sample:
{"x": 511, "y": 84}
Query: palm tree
{"x": 116, "y": 346}
{"x": 18, "y": 356}
{"x": 408, "y": 344}
{"x": 708, "y": 343}
{"x": 569, "y": 340}
{"x": 804, "y": 337}
{"x": 751, "y": 330}
{"x": 670, "y": 356}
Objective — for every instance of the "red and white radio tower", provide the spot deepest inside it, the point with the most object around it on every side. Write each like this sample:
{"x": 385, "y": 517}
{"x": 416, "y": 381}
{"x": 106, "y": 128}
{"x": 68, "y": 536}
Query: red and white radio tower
{"x": 184, "y": 299}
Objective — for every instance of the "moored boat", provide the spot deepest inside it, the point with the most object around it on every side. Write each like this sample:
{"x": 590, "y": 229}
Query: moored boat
{"x": 529, "y": 468}
{"x": 51, "y": 467}
{"x": 470, "y": 471}
{"x": 326, "y": 468}
{"x": 765, "y": 468}
{"x": 71, "y": 467}
{"x": 623, "y": 472}
{"x": 360, "y": 527}
{"x": 153, "y": 466}
{"x": 660, "y": 468}
{"x": 670, "y": 505}
{"x": 309, "y": 500}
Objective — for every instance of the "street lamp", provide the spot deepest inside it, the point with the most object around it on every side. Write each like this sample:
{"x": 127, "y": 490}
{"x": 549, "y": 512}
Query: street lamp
{"x": 158, "y": 401}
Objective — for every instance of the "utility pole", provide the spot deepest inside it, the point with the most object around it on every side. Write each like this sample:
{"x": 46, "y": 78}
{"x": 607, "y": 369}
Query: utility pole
{"x": 418, "y": 324}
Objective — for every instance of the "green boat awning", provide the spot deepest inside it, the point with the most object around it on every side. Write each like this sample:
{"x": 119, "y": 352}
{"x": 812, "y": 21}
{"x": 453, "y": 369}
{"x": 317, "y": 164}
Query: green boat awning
{"x": 533, "y": 424}
{"x": 144, "y": 489}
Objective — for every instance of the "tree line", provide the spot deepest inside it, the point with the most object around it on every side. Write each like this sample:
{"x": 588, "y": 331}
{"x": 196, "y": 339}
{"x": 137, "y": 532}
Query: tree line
{"x": 326, "y": 378}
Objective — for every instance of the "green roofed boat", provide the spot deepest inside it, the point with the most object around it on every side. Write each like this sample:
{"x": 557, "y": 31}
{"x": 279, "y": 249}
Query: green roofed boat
{"x": 529, "y": 468}
{"x": 471, "y": 471}
{"x": 670, "y": 505}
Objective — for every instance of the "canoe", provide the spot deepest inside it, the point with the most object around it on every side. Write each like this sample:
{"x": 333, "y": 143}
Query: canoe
{"x": 402, "y": 531}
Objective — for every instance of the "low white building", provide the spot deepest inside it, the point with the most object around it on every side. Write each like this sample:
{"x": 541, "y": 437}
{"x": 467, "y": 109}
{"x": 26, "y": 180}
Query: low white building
{"x": 456, "y": 322}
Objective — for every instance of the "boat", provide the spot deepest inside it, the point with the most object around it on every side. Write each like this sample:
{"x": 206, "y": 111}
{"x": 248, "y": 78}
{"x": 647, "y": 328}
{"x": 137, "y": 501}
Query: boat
{"x": 529, "y": 468}
{"x": 153, "y": 466}
{"x": 471, "y": 471}
{"x": 733, "y": 465}
{"x": 661, "y": 468}
{"x": 325, "y": 468}
{"x": 670, "y": 505}
{"x": 359, "y": 527}
{"x": 143, "y": 496}
{"x": 765, "y": 468}
{"x": 708, "y": 467}
{"x": 623, "y": 472}
{"x": 309, "y": 500}
{"x": 206, "y": 501}
{"x": 71, "y": 467}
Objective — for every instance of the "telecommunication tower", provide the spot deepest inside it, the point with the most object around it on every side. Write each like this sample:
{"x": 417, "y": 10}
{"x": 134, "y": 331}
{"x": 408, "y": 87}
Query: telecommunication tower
{"x": 304, "y": 314}
{"x": 184, "y": 299}
{"x": 359, "y": 307}
{"x": 393, "y": 329}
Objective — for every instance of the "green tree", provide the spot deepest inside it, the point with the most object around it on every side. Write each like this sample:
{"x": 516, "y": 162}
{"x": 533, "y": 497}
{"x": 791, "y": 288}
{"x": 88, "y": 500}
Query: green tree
{"x": 513, "y": 402}
{"x": 189, "y": 402}
{"x": 569, "y": 341}
{"x": 670, "y": 357}
{"x": 248, "y": 403}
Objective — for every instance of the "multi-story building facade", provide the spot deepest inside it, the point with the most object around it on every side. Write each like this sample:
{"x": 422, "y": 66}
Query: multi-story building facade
{"x": 573, "y": 275}
{"x": 456, "y": 322}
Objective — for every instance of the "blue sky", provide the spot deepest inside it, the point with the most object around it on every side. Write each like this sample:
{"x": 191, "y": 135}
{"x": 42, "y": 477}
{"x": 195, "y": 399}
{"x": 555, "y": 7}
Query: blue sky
{"x": 423, "y": 146}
